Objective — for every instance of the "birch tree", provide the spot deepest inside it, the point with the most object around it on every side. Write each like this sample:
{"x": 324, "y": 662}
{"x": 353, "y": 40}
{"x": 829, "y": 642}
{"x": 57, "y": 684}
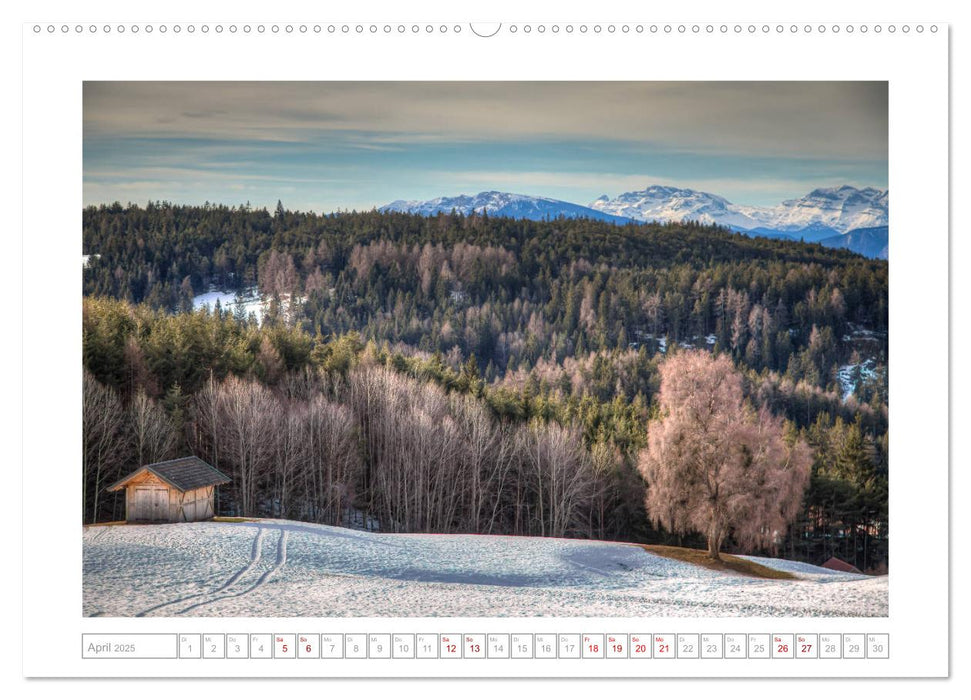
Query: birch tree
{"x": 715, "y": 465}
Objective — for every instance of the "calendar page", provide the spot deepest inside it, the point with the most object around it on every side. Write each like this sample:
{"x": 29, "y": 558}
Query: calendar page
{"x": 433, "y": 347}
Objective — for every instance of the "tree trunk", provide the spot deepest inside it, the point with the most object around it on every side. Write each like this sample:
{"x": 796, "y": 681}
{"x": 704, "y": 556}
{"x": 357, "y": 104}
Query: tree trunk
{"x": 714, "y": 545}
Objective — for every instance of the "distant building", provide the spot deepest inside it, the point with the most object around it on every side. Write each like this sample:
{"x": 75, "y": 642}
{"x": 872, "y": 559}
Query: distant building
{"x": 840, "y": 565}
{"x": 178, "y": 490}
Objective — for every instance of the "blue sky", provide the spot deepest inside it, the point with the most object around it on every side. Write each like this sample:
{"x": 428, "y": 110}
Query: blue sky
{"x": 330, "y": 146}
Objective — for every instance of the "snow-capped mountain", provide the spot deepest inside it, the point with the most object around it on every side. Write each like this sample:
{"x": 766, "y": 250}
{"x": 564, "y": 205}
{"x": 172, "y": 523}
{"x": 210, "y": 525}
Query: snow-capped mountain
{"x": 842, "y": 208}
{"x": 839, "y": 209}
{"x": 826, "y": 215}
{"x": 661, "y": 203}
{"x": 517, "y": 206}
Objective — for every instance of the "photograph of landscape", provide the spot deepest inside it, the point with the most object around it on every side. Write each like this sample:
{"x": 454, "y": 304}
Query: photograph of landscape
{"x": 485, "y": 349}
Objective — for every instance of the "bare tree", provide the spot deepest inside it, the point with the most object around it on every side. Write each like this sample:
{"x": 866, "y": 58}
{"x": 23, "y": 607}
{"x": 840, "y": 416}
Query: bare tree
{"x": 481, "y": 464}
{"x": 290, "y": 459}
{"x": 277, "y": 274}
{"x": 560, "y": 475}
{"x": 106, "y": 446}
{"x": 335, "y": 460}
{"x": 419, "y": 449}
{"x": 204, "y": 436}
{"x": 153, "y": 436}
{"x": 654, "y": 311}
{"x": 248, "y": 418}
{"x": 715, "y": 465}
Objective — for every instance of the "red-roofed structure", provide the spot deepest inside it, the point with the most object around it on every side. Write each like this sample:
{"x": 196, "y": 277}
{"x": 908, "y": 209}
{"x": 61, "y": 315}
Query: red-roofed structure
{"x": 840, "y": 565}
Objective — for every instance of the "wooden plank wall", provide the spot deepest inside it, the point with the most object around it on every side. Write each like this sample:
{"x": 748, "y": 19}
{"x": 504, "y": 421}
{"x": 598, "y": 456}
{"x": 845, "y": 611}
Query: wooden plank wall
{"x": 190, "y": 506}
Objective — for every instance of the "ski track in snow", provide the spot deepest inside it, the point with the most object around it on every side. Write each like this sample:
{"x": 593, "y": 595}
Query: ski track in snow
{"x": 254, "y": 560}
{"x": 256, "y": 555}
{"x": 222, "y": 569}
{"x": 281, "y": 560}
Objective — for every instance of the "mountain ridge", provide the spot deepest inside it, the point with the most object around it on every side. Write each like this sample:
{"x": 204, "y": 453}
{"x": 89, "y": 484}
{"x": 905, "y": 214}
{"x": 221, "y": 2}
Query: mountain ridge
{"x": 872, "y": 242}
{"x": 841, "y": 208}
{"x": 495, "y": 203}
{"x": 825, "y": 215}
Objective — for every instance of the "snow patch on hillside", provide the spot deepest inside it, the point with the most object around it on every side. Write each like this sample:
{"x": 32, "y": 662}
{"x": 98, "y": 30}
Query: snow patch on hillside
{"x": 248, "y": 301}
{"x": 852, "y": 375}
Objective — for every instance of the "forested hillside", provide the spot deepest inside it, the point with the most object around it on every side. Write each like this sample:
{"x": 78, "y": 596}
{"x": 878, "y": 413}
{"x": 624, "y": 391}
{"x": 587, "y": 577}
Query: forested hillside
{"x": 469, "y": 374}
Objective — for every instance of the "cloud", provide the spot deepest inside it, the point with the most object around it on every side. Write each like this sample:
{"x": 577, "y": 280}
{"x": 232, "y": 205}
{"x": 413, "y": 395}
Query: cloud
{"x": 835, "y": 119}
{"x": 162, "y": 174}
{"x": 362, "y": 144}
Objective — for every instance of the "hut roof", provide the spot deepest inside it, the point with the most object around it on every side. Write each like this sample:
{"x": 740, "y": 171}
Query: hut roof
{"x": 184, "y": 474}
{"x": 840, "y": 565}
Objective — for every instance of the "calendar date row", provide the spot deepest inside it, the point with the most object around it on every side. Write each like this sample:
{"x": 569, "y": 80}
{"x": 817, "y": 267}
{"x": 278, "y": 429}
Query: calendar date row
{"x": 486, "y": 646}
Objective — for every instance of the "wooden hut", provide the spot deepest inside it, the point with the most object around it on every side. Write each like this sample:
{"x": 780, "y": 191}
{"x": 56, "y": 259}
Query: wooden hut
{"x": 840, "y": 565}
{"x": 178, "y": 490}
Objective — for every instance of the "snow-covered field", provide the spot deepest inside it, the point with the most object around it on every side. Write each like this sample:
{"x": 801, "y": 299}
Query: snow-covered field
{"x": 280, "y": 568}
